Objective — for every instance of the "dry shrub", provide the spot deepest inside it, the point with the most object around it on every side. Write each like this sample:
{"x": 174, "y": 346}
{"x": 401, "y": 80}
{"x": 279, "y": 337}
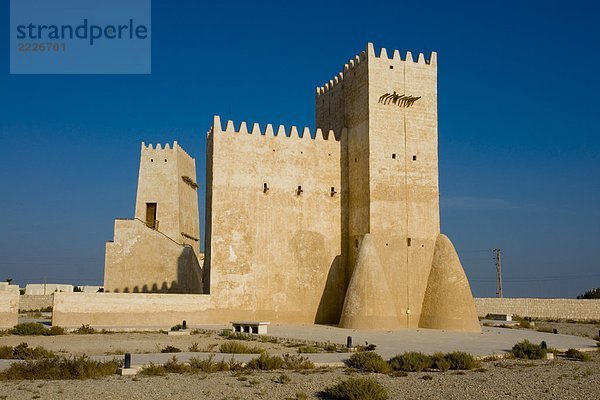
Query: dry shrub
{"x": 366, "y": 361}
{"x": 411, "y": 361}
{"x": 60, "y": 368}
{"x": 238, "y": 348}
{"x": 357, "y": 389}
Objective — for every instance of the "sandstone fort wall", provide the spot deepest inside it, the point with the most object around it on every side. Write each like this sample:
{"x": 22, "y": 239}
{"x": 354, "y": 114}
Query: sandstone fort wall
{"x": 273, "y": 222}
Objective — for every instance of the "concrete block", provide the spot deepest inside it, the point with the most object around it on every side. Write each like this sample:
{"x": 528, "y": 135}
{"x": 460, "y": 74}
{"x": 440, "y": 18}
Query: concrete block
{"x": 127, "y": 371}
{"x": 181, "y": 332}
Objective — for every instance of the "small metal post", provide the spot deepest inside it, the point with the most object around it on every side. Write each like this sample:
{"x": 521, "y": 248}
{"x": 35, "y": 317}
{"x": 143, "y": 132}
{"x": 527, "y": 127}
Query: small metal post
{"x": 349, "y": 342}
{"x": 184, "y": 325}
{"x": 127, "y": 360}
{"x": 544, "y": 345}
{"x": 555, "y": 331}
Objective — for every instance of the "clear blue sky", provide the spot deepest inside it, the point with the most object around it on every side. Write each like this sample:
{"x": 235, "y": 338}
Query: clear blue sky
{"x": 519, "y": 129}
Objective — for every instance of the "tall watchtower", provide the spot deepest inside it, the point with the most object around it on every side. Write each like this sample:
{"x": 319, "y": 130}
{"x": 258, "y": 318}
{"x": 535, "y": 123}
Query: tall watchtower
{"x": 167, "y": 198}
{"x": 390, "y": 182}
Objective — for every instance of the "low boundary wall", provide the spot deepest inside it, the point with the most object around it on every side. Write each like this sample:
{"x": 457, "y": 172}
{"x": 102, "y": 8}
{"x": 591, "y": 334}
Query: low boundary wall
{"x": 29, "y": 302}
{"x": 540, "y": 308}
{"x": 9, "y": 309}
{"x": 152, "y": 310}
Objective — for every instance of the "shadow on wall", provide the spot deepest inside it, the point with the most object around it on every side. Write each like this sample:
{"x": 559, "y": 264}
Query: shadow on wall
{"x": 334, "y": 292}
{"x": 189, "y": 278}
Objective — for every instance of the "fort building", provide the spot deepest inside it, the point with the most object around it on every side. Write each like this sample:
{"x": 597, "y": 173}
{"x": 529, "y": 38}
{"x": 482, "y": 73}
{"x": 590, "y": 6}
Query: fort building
{"x": 340, "y": 225}
{"x": 158, "y": 251}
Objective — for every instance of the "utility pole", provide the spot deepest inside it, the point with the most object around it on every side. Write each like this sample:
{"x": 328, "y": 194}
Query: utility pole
{"x": 498, "y": 273}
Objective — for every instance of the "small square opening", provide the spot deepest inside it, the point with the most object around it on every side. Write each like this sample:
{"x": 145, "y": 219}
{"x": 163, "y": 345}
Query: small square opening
{"x": 408, "y": 241}
{"x": 414, "y": 158}
{"x": 391, "y": 67}
{"x": 394, "y": 156}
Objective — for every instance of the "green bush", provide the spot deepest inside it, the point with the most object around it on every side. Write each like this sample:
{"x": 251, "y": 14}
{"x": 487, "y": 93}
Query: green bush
{"x": 56, "y": 330}
{"x": 238, "y": 348}
{"x": 60, "y": 368}
{"x": 85, "y": 329}
{"x": 411, "y": 362}
{"x": 462, "y": 361}
{"x": 366, "y": 361}
{"x": 29, "y": 329}
{"x": 176, "y": 328}
{"x": 6, "y": 352}
{"x": 441, "y": 362}
{"x": 194, "y": 348}
{"x": 357, "y": 389}
{"x": 170, "y": 349}
{"x": 24, "y": 352}
{"x": 577, "y": 355}
{"x": 293, "y": 361}
{"x": 265, "y": 362}
{"x": 528, "y": 350}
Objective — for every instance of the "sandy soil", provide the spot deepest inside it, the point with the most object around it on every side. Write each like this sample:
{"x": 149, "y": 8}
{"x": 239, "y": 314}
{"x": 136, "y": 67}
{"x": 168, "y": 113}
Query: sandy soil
{"x": 137, "y": 342}
{"x": 558, "y": 379}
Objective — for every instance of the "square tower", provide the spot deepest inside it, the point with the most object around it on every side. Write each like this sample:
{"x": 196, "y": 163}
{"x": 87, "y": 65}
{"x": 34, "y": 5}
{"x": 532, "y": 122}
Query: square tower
{"x": 167, "y": 198}
{"x": 390, "y": 181}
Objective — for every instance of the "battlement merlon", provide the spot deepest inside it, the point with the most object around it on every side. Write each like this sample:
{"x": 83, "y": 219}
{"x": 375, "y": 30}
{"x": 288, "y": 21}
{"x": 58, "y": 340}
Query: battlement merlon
{"x": 281, "y": 132}
{"x": 166, "y": 149}
{"x": 369, "y": 54}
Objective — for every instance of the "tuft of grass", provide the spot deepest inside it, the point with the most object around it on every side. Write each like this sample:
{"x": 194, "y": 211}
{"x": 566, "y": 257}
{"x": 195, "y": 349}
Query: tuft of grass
{"x": 84, "y": 329}
{"x": 366, "y": 361}
{"x": 357, "y": 389}
{"x": 525, "y": 324}
{"x": 153, "y": 370}
{"x": 265, "y": 362}
{"x": 170, "y": 349}
{"x": 173, "y": 366}
{"x": 296, "y": 362}
{"x": 462, "y": 361}
{"x": 238, "y": 348}
{"x": 194, "y": 348}
{"x": 577, "y": 355}
{"x": 6, "y": 352}
{"x": 366, "y": 347}
{"x": 441, "y": 362}
{"x": 528, "y": 350}
{"x": 35, "y": 329}
{"x": 411, "y": 362}
{"x": 209, "y": 365}
{"x": 60, "y": 368}
{"x": 308, "y": 349}
{"x": 24, "y": 352}
{"x": 231, "y": 335}
{"x": 427, "y": 377}
{"x": 176, "y": 328}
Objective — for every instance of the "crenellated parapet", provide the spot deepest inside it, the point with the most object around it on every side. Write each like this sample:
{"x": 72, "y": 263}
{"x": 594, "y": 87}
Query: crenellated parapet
{"x": 304, "y": 134}
{"x": 370, "y": 55}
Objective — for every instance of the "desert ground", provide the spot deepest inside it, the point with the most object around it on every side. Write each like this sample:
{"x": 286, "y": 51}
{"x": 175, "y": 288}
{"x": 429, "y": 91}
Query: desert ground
{"x": 497, "y": 378}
